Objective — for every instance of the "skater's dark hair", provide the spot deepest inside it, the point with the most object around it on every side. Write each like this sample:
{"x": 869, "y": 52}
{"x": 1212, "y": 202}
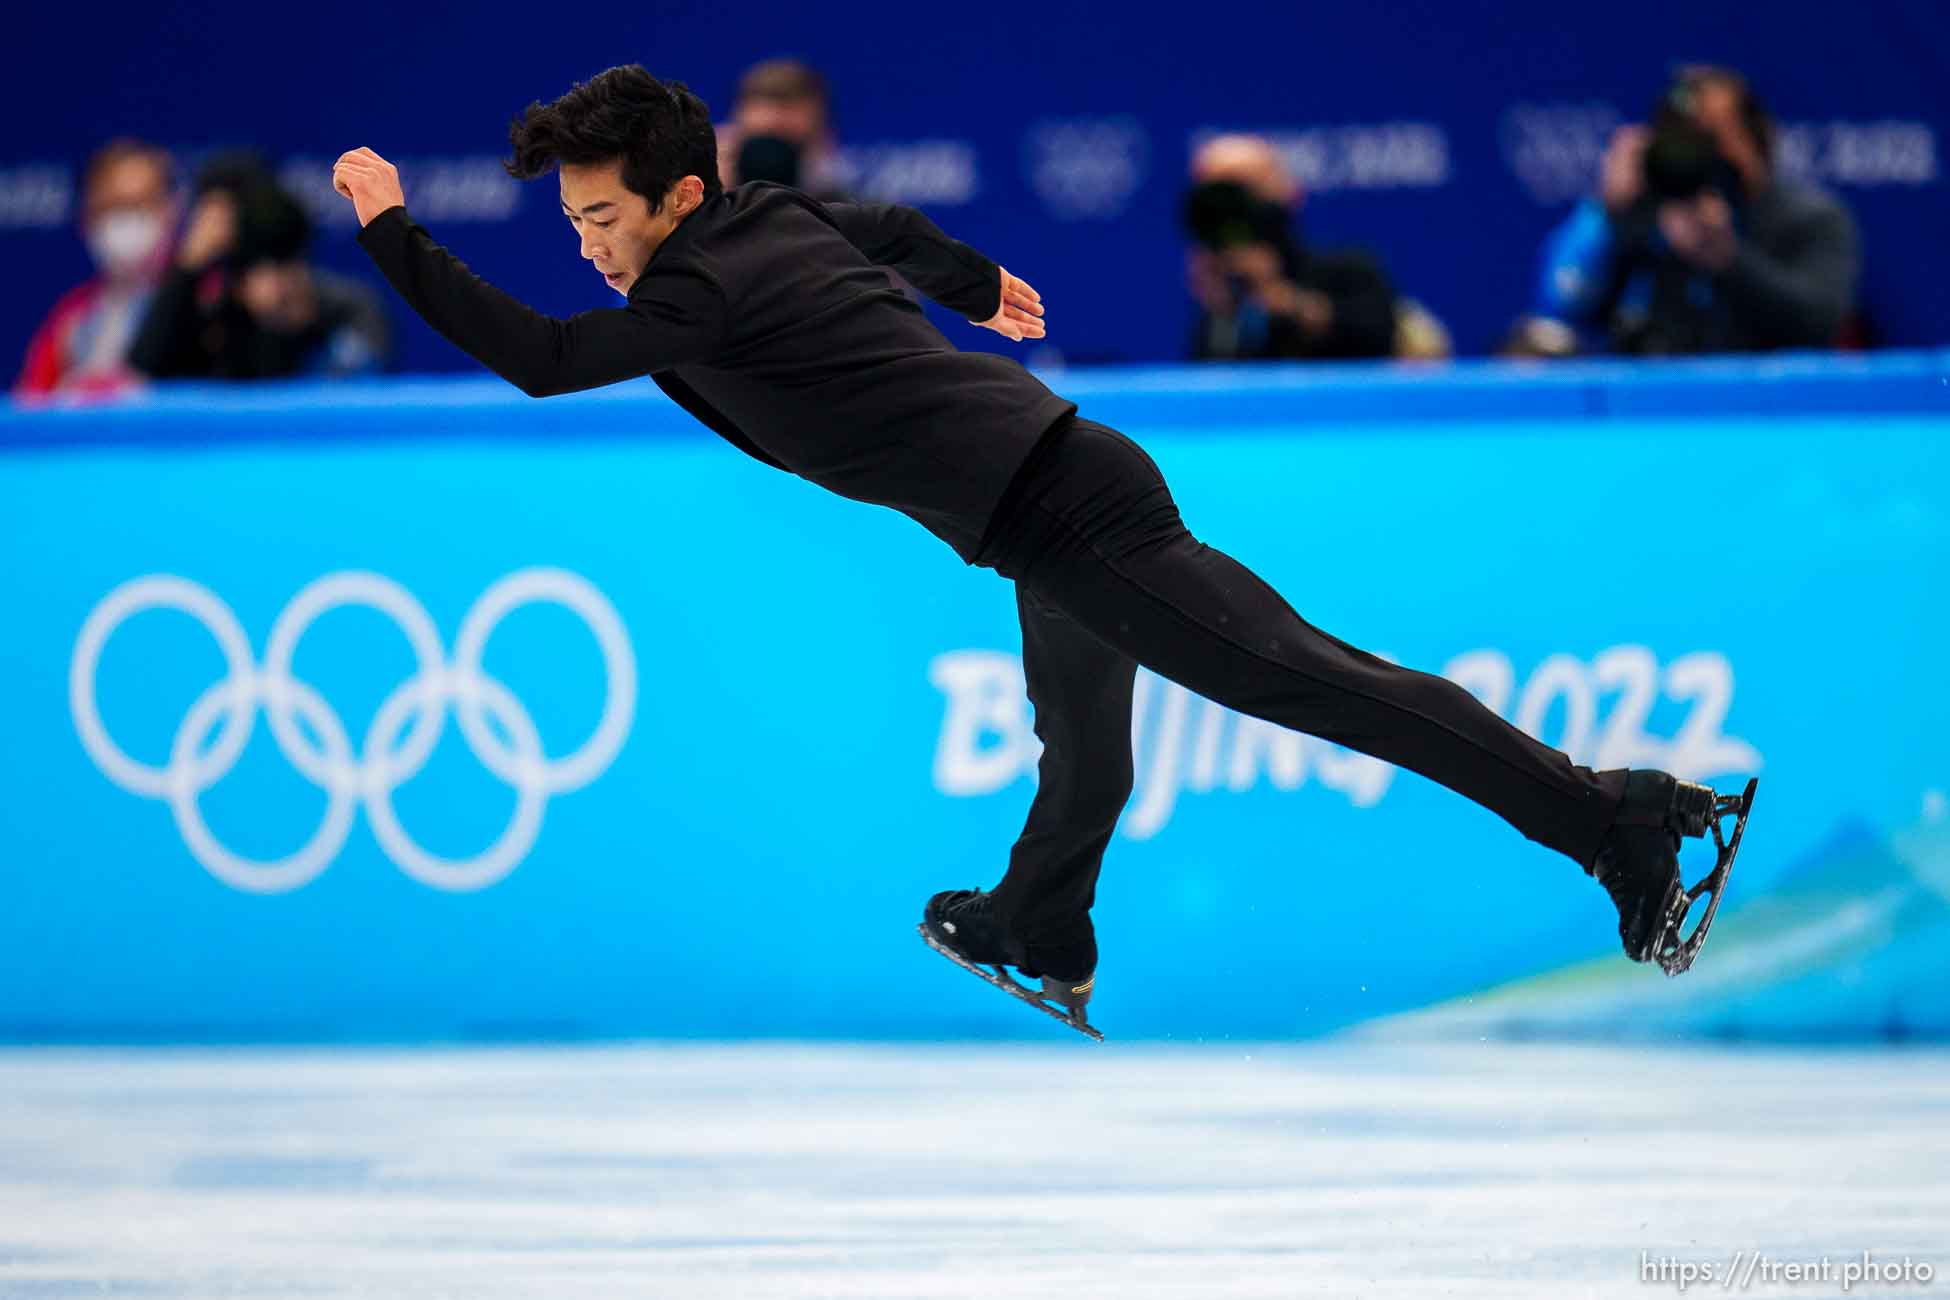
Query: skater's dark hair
{"x": 658, "y": 129}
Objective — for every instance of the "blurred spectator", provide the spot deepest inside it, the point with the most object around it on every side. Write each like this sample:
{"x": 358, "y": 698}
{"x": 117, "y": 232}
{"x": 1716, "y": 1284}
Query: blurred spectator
{"x": 1692, "y": 243}
{"x": 241, "y": 302}
{"x": 1262, "y": 293}
{"x": 127, "y": 212}
{"x": 781, "y": 129}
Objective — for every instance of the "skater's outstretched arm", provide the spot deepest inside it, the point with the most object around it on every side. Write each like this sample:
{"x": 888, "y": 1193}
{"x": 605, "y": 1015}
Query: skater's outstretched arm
{"x": 945, "y": 269}
{"x": 679, "y": 318}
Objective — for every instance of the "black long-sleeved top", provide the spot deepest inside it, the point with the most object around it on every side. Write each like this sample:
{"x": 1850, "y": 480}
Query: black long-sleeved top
{"x": 764, "y": 316}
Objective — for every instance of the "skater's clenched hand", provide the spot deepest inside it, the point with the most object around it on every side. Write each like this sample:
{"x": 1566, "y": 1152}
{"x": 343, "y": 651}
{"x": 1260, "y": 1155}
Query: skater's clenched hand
{"x": 1021, "y": 314}
{"x": 369, "y": 181}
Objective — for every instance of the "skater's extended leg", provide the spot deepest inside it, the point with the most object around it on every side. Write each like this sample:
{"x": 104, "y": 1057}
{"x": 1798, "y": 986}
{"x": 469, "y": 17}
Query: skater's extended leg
{"x": 1098, "y": 535}
{"x": 1081, "y": 690}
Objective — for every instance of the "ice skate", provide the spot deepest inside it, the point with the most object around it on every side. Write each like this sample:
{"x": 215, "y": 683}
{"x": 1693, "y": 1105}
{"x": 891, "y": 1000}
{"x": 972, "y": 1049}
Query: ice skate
{"x": 1638, "y": 864}
{"x": 960, "y": 924}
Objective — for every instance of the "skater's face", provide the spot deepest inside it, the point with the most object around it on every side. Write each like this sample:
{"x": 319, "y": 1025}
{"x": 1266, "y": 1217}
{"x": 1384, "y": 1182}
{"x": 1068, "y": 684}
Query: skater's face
{"x": 620, "y": 234}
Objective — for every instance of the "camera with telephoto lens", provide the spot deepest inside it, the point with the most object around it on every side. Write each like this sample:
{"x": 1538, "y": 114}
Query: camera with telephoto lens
{"x": 1683, "y": 159}
{"x": 769, "y": 158}
{"x": 1225, "y": 214}
{"x": 271, "y": 225}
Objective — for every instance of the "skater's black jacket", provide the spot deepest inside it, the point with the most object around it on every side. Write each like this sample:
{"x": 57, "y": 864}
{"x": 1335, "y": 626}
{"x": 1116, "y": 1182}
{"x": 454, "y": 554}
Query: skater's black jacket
{"x": 763, "y": 316}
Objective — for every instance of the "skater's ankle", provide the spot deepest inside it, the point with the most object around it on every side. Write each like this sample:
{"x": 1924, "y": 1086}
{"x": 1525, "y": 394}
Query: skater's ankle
{"x": 1067, "y": 954}
{"x": 1059, "y": 964}
{"x": 1644, "y": 799}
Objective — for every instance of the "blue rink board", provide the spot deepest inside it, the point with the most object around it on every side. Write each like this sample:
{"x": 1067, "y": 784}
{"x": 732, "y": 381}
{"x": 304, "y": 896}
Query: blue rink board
{"x": 1671, "y": 568}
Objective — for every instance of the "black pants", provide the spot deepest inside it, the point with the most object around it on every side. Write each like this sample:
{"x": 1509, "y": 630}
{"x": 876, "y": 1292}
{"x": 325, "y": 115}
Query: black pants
{"x": 1107, "y": 578}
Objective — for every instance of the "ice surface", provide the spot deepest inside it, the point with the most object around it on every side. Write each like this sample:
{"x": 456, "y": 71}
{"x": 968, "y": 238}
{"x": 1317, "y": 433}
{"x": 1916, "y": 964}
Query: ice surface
{"x": 1066, "y": 1170}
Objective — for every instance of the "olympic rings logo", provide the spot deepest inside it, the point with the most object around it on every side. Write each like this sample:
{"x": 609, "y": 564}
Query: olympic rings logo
{"x": 397, "y": 744}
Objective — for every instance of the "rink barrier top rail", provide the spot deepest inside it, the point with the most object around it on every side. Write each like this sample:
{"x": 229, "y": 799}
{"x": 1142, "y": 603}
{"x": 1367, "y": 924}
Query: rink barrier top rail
{"x": 1274, "y": 396}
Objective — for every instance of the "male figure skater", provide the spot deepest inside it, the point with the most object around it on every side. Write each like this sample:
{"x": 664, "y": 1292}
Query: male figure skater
{"x": 759, "y": 310}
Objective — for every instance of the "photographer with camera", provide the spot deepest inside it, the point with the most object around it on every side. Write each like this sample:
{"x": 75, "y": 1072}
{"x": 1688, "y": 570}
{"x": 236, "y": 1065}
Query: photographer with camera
{"x": 1263, "y": 294}
{"x": 1692, "y": 243}
{"x": 241, "y": 299}
{"x": 781, "y": 130}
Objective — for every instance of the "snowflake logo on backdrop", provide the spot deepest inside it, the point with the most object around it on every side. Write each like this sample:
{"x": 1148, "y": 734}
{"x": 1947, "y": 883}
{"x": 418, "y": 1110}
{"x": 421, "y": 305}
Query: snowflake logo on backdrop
{"x": 1554, "y": 149}
{"x": 1086, "y": 168}
{"x": 397, "y": 744}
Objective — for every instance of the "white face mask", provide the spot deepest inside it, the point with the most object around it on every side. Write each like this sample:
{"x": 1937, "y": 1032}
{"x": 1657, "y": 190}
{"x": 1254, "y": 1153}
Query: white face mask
{"x": 123, "y": 241}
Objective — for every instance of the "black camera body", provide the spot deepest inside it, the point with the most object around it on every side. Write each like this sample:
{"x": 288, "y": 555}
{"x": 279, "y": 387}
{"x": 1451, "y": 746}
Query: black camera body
{"x": 1225, "y": 214}
{"x": 271, "y": 225}
{"x": 770, "y": 158}
{"x": 1682, "y": 159}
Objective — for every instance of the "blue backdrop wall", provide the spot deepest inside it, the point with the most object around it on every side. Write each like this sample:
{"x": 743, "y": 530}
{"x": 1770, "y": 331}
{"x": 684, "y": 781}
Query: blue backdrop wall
{"x": 426, "y": 709}
{"x": 1448, "y": 137}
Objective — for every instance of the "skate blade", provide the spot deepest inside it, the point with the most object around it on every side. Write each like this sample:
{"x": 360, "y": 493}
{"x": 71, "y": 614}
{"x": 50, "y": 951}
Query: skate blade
{"x": 1675, "y": 956}
{"x": 1001, "y": 979}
